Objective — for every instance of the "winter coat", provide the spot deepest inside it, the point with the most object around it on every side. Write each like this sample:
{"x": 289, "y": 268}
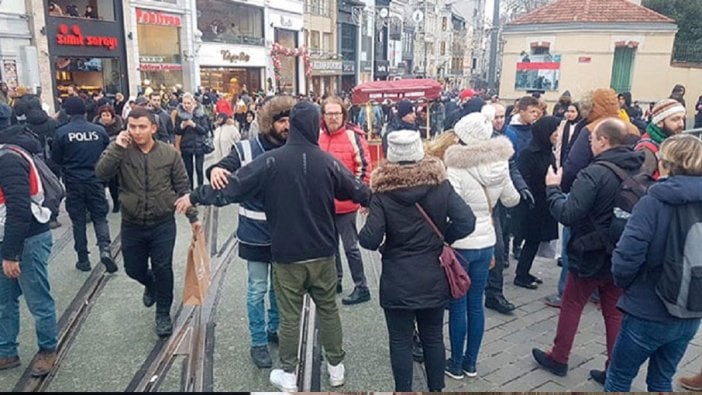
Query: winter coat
{"x": 112, "y": 129}
{"x": 349, "y": 147}
{"x": 165, "y": 125}
{"x": 43, "y": 126}
{"x": 225, "y": 136}
{"x": 520, "y": 136}
{"x": 411, "y": 276}
{"x": 224, "y": 106}
{"x": 536, "y": 223}
{"x": 192, "y": 137}
{"x": 637, "y": 262}
{"x": 15, "y": 190}
{"x": 77, "y": 148}
{"x": 590, "y": 204}
{"x": 300, "y": 182}
{"x": 149, "y": 183}
{"x": 474, "y": 170}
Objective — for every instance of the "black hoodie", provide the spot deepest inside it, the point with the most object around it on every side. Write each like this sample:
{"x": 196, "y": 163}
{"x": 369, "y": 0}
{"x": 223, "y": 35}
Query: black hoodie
{"x": 299, "y": 182}
{"x": 20, "y": 224}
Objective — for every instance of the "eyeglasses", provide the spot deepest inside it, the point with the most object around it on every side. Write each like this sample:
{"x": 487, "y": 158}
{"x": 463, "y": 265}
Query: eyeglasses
{"x": 333, "y": 114}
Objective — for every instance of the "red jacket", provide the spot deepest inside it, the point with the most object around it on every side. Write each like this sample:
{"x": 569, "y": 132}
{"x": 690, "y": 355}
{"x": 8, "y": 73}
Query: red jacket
{"x": 224, "y": 106}
{"x": 349, "y": 146}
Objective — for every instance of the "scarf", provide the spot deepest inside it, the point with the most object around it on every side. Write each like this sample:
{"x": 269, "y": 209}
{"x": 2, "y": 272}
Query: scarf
{"x": 657, "y": 134}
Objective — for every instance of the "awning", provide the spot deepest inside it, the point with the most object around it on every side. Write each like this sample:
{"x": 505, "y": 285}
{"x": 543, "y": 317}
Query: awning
{"x": 412, "y": 89}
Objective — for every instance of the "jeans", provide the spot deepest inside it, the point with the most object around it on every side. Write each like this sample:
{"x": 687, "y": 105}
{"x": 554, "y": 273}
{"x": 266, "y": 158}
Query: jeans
{"x": 80, "y": 200}
{"x": 467, "y": 314}
{"x": 292, "y": 281}
{"x": 346, "y": 228}
{"x": 400, "y": 323}
{"x": 564, "y": 261}
{"x": 199, "y": 162}
{"x": 157, "y": 243}
{"x": 662, "y": 343}
{"x": 575, "y": 297}
{"x": 496, "y": 277}
{"x": 526, "y": 259}
{"x": 260, "y": 283}
{"x": 34, "y": 284}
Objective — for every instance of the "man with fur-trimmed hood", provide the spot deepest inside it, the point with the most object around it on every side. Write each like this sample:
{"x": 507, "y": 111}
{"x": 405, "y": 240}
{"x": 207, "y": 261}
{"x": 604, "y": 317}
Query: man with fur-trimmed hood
{"x": 253, "y": 232}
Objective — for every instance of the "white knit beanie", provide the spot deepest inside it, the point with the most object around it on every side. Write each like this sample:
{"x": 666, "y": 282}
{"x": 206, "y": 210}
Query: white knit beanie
{"x": 665, "y": 108}
{"x": 474, "y": 126}
{"x": 405, "y": 146}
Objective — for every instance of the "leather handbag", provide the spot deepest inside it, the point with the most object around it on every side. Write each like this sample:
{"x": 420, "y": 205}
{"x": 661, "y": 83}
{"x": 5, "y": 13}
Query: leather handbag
{"x": 458, "y": 279}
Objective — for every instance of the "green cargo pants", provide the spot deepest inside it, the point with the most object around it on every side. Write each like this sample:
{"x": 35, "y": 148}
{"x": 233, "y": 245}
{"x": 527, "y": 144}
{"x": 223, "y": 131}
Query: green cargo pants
{"x": 292, "y": 281}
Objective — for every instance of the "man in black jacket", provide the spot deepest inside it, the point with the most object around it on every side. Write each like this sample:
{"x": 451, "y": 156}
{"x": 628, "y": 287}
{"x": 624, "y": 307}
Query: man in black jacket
{"x": 588, "y": 210}
{"x": 77, "y": 148}
{"x": 300, "y": 182}
{"x": 25, "y": 249}
{"x": 165, "y": 130}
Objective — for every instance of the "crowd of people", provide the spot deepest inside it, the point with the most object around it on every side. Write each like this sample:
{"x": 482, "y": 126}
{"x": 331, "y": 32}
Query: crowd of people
{"x": 490, "y": 179}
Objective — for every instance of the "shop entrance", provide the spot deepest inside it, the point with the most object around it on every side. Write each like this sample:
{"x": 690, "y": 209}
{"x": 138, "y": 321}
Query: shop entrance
{"x": 231, "y": 81}
{"x": 87, "y": 74}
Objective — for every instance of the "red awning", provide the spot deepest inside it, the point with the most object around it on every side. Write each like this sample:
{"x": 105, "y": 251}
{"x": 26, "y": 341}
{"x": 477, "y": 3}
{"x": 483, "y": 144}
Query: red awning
{"x": 412, "y": 89}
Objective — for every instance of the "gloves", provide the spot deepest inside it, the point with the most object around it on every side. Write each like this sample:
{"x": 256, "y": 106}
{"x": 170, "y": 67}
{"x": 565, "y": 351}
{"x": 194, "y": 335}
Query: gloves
{"x": 527, "y": 197}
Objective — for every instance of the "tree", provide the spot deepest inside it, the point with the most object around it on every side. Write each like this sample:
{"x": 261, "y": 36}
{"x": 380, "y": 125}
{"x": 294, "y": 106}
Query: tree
{"x": 686, "y": 13}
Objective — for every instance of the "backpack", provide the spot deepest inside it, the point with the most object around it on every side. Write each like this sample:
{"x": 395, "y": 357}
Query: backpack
{"x": 680, "y": 284}
{"x": 51, "y": 191}
{"x": 630, "y": 191}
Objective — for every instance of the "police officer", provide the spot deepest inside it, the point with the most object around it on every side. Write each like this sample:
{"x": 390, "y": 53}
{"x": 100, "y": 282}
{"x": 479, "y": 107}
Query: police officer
{"x": 77, "y": 148}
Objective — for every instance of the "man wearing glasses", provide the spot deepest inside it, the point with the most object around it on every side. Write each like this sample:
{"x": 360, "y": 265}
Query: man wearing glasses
{"x": 347, "y": 144}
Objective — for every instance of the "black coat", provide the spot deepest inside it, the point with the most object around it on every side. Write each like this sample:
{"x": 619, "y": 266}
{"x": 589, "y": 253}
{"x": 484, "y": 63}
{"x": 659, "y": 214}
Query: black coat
{"x": 192, "y": 138}
{"x": 412, "y": 277}
{"x": 537, "y": 223}
{"x": 299, "y": 182}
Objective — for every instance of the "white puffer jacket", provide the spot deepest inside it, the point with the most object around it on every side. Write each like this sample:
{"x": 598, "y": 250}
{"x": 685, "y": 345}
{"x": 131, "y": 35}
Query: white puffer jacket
{"x": 474, "y": 169}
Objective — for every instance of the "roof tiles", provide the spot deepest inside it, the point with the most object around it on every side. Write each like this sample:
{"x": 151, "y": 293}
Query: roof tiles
{"x": 591, "y": 11}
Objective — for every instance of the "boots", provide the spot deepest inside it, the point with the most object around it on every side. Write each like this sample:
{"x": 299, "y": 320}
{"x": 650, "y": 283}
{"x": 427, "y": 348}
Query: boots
{"x": 693, "y": 383}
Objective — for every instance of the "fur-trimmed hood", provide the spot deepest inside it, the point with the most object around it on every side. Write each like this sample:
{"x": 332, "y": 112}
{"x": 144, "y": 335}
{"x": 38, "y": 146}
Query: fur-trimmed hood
{"x": 198, "y": 112}
{"x": 275, "y": 105}
{"x": 389, "y": 177}
{"x": 485, "y": 152}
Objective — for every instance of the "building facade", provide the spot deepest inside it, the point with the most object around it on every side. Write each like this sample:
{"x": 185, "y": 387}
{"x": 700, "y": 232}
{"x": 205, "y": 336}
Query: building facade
{"x": 320, "y": 27}
{"x": 347, "y": 34}
{"x": 18, "y": 53}
{"x": 285, "y": 24}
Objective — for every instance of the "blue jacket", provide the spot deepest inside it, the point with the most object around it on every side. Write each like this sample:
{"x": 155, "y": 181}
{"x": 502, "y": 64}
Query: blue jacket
{"x": 77, "y": 147}
{"x": 520, "y": 135}
{"x": 638, "y": 259}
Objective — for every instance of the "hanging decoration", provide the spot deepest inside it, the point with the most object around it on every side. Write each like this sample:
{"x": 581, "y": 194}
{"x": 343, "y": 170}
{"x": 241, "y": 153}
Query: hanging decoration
{"x": 278, "y": 50}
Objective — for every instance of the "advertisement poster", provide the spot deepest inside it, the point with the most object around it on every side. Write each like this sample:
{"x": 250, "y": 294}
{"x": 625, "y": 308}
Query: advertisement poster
{"x": 9, "y": 74}
{"x": 538, "y": 72}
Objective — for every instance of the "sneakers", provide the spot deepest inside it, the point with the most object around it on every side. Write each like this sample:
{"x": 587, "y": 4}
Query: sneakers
{"x": 470, "y": 370}
{"x": 261, "y": 357}
{"x": 164, "y": 326}
{"x": 528, "y": 284}
{"x": 83, "y": 265}
{"x": 599, "y": 376}
{"x": 545, "y": 360}
{"x": 44, "y": 363}
{"x": 273, "y": 337}
{"x": 336, "y": 374}
{"x": 359, "y": 295}
{"x": 284, "y": 381}
{"x": 9, "y": 362}
{"x": 107, "y": 260}
{"x": 454, "y": 373}
{"x": 553, "y": 301}
{"x": 692, "y": 383}
{"x": 499, "y": 304}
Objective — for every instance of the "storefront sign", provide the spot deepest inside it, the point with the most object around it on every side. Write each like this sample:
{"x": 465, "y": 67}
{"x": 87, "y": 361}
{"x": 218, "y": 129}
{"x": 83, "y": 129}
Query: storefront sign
{"x": 230, "y": 57}
{"x": 286, "y": 21}
{"x": 326, "y": 67}
{"x": 151, "y": 59}
{"x": 382, "y": 68}
{"x": 349, "y": 67}
{"x": 160, "y": 66}
{"x": 148, "y": 17}
{"x": 74, "y": 37}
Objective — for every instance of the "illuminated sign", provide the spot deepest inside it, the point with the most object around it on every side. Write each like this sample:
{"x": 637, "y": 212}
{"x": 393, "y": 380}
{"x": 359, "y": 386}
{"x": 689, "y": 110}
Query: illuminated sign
{"x": 74, "y": 37}
{"x": 157, "y": 18}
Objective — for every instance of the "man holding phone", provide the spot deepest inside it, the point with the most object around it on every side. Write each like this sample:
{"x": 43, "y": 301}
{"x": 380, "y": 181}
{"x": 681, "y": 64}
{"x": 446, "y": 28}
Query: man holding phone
{"x": 152, "y": 176}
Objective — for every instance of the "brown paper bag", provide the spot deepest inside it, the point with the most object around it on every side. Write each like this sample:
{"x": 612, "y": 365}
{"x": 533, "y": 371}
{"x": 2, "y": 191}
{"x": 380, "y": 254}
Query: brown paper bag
{"x": 197, "y": 273}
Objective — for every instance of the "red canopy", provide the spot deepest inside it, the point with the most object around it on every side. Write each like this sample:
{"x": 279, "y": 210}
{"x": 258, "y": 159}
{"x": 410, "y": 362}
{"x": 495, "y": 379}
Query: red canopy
{"x": 395, "y": 91}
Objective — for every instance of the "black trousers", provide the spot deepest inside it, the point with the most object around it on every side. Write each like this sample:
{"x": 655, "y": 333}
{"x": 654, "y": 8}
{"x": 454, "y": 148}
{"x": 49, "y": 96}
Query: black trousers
{"x": 82, "y": 199}
{"x": 430, "y": 323}
{"x": 141, "y": 244}
{"x": 526, "y": 259}
{"x": 496, "y": 276}
{"x": 199, "y": 161}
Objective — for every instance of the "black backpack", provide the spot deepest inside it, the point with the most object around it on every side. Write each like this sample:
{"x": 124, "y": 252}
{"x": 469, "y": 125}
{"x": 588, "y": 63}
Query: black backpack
{"x": 680, "y": 284}
{"x": 630, "y": 191}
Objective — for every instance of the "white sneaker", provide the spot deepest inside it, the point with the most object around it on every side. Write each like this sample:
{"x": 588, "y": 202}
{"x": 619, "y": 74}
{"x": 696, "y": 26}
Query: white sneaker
{"x": 286, "y": 382}
{"x": 336, "y": 374}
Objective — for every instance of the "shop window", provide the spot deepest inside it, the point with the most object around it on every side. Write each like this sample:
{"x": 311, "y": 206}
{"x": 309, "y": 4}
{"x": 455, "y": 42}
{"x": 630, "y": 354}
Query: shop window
{"x": 88, "y": 74}
{"x": 224, "y": 21}
{"x": 231, "y": 80}
{"x": 90, "y": 9}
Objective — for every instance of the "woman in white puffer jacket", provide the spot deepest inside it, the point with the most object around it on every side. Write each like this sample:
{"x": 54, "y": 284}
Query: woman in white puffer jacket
{"x": 478, "y": 169}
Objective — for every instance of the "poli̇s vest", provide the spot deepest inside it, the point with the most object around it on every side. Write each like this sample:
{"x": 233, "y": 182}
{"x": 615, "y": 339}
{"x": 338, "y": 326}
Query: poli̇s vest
{"x": 253, "y": 228}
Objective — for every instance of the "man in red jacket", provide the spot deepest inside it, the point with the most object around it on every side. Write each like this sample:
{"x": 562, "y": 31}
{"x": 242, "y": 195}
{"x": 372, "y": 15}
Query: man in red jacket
{"x": 347, "y": 144}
